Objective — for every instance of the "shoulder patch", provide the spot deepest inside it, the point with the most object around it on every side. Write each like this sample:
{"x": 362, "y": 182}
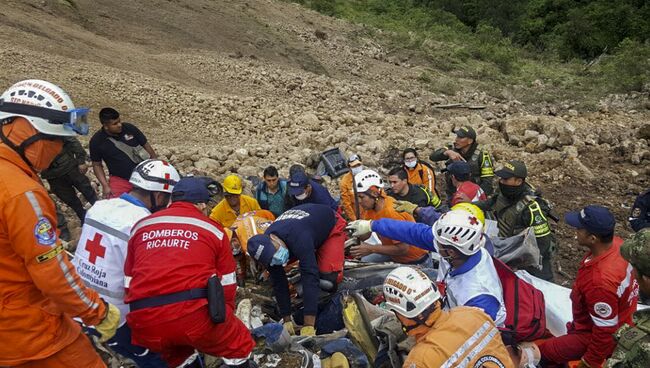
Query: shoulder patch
{"x": 602, "y": 309}
{"x": 481, "y": 362}
{"x": 44, "y": 232}
{"x": 636, "y": 212}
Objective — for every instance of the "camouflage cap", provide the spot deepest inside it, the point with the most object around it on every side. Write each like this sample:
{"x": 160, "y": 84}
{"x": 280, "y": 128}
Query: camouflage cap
{"x": 636, "y": 250}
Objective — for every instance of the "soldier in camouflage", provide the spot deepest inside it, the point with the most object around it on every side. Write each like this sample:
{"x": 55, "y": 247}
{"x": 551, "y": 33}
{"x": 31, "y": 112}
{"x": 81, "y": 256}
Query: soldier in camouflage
{"x": 633, "y": 349}
{"x": 516, "y": 205}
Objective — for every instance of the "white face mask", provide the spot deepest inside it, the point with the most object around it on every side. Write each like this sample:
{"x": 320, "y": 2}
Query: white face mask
{"x": 411, "y": 164}
{"x": 302, "y": 196}
{"x": 357, "y": 169}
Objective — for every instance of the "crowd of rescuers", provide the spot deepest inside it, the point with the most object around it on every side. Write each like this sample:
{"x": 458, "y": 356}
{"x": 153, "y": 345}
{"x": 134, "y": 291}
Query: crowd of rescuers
{"x": 156, "y": 268}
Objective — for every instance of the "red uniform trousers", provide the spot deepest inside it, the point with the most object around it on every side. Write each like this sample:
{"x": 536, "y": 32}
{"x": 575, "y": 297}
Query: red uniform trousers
{"x": 330, "y": 255}
{"x": 556, "y": 351}
{"x": 119, "y": 186}
{"x": 176, "y": 340}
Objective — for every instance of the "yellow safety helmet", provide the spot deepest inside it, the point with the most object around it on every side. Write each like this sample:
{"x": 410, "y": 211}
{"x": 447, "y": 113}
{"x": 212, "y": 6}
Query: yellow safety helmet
{"x": 471, "y": 208}
{"x": 232, "y": 184}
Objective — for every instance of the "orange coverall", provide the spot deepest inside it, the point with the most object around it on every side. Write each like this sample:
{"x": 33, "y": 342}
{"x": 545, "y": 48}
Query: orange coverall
{"x": 39, "y": 288}
{"x": 461, "y": 337}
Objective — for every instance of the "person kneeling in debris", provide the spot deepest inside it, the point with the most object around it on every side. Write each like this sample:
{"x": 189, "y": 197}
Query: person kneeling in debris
{"x": 377, "y": 205}
{"x": 180, "y": 278}
{"x": 314, "y": 235}
{"x": 461, "y": 337}
{"x": 466, "y": 269}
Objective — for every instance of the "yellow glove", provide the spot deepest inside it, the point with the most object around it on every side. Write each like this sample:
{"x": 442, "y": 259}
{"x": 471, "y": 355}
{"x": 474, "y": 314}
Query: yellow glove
{"x": 308, "y": 331}
{"x": 109, "y": 324}
{"x": 289, "y": 327}
{"x": 405, "y": 206}
{"x": 337, "y": 360}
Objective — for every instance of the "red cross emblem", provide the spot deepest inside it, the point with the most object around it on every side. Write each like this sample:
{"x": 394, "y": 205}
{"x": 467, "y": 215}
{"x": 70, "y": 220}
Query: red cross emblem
{"x": 473, "y": 220}
{"x": 167, "y": 177}
{"x": 94, "y": 248}
{"x": 455, "y": 238}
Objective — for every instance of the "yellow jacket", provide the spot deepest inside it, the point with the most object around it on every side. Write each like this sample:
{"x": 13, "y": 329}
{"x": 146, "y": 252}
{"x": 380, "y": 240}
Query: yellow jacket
{"x": 347, "y": 196}
{"x": 462, "y": 337}
{"x": 226, "y": 216}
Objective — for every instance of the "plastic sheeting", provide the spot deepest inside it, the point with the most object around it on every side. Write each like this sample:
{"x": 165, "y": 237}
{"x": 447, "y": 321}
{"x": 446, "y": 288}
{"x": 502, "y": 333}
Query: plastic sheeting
{"x": 519, "y": 251}
{"x": 556, "y": 300}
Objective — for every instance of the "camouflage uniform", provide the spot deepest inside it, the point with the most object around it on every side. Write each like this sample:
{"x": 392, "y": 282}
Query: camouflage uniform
{"x": 633, "y": 349}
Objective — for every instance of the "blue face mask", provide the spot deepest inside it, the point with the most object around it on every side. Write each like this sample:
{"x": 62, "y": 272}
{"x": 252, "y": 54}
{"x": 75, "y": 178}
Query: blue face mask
{"x": 281, "y": 257}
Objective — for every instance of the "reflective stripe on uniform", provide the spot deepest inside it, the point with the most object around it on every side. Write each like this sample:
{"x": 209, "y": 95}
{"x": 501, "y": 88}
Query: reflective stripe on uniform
{"x": 228, "y": 279}
{"x": 486, "y": 166}
{"x": 70, "y": 279}
{"x": 35, "y": 205}
{"x": 127, "y": 281}
{"x": 107, "y": 229}
{"x": 478, "y": 348}
{"x": 179, "y": 220}
{"x": 468, "y": 343}
{"x": 541, "y": 229}
{"x": 67, "y": 273}
{"x": 626, "y": 281}
{"x": 600, "y": 322}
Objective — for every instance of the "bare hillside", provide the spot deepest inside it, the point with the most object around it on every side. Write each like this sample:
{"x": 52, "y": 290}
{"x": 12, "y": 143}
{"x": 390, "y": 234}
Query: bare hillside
{"x": 222, "y": 86}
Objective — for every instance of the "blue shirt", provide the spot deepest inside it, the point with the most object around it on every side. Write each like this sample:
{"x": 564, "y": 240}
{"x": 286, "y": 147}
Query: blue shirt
{"x": 303, "y": 229}
{"x": 421, "y": 236}
{"x": 319, "y": 195}
{"x": 272, "y": 202}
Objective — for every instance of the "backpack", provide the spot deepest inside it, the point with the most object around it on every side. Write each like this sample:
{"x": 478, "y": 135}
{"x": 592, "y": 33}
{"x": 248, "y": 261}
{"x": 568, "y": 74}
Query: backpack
{"x": 525, "y": 308}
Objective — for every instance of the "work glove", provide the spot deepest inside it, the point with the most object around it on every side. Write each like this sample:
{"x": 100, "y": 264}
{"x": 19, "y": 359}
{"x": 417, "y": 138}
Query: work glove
{"x": 109, "y": 324}
{"x": 359, "y": 228}
{"x": 337, "y": 360}
{"x": 405, "y": 206}
{"x": 289, "y": 327}
{"x": 583, "y": 364}
{"x": 308, "y": 331}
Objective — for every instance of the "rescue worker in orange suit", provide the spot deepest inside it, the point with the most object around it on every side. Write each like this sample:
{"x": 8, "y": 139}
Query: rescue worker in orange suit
{"x": 604, "y": 294}
{"x": 40, "y": 292}
{"x": 180, "y": 275}
{"x": 460, "y": 337}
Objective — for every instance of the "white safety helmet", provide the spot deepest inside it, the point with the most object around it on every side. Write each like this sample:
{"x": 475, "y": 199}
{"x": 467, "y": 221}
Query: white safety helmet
{"x": 46, "y": 106}
{"x": 409, "y": 291}
{"x": 367, "y": 179}
{"x": 155, "y": 175}
{"x": 461, "y": 230}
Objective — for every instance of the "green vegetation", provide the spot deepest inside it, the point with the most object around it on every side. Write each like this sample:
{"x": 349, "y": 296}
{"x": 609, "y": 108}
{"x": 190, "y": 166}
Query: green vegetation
{"x": 576, "y": 48}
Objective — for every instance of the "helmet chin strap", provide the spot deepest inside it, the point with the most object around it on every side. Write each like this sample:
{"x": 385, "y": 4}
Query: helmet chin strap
{"x": 20, "y": 149}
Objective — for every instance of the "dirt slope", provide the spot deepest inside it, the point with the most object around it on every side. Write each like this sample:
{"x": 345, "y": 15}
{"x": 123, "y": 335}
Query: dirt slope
{"x": 223, "y": 86}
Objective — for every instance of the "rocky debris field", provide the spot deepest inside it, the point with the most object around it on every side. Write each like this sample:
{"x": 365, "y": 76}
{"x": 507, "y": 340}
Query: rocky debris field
{"x": 298, "y": 83}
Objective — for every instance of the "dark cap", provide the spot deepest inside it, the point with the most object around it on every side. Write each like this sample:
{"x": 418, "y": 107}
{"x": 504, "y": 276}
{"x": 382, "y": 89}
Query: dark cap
{"x": 465, "y": 132}
{"x": 261, "y": 248}
{"x": 636, "y": 250}
{"x": 595, "y": 219}
{"x": 459, "y": 168}
{"x": 512, "y": 169}
{"x": 297, "y": 183}
{"x": 191, "y": 189}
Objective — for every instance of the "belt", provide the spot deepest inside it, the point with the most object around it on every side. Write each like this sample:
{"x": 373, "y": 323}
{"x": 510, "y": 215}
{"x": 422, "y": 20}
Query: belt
{"x": 160, "y": 300}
